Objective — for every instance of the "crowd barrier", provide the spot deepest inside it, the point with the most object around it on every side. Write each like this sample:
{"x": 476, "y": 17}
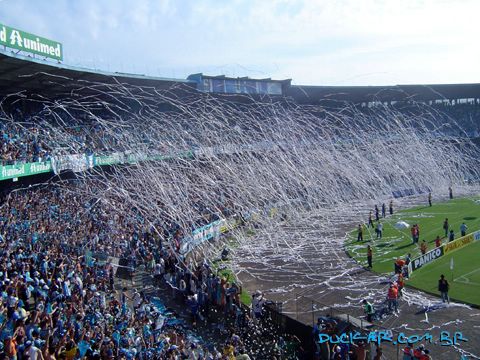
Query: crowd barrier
{"x": 24, "y": 169}
{"x": 81, "y": 162}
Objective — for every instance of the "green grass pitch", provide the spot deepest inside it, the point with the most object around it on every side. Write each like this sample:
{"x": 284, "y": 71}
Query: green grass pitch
{"x": 464, "y": 280}
{"x": 397, "y": 243}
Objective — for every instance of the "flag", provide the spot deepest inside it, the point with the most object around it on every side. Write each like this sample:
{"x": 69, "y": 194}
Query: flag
{"x": 89, "y": 258}
{"x": 451, "y": 263}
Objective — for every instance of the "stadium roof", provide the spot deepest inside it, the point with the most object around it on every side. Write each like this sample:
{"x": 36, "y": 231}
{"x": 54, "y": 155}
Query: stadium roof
{"x": 19, "y": 73}
{"x": 24, "y": 73}
{"x": 359, "y": 94}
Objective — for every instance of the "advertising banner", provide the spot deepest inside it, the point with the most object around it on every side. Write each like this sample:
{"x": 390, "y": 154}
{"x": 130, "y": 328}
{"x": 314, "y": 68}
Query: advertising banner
{"x": 112, "y": 159}
{"x": 430, "y": 256}
{"x": 24, "y": 169}
{"x": 201, "y": 235}
{"x": 434, "y": 254}
{"x": 459, "y": 243}
{"x": 21, "y": 40}
{"x": 81, "y": 162}
{"x": 476, "y": 235}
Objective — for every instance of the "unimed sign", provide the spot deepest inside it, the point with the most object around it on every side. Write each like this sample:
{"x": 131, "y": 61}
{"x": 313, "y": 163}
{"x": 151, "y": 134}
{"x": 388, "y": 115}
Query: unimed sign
{"x": 21, "y": 40}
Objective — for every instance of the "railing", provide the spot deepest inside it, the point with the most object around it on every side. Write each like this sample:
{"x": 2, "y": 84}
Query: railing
{"x": 308, "y": 311}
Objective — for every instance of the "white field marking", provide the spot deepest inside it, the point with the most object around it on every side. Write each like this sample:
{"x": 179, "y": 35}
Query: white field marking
{"x": 465, "y": 280}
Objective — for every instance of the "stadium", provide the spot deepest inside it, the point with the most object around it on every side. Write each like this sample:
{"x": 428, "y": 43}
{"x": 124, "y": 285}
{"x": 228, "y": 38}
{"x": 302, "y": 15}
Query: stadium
{"x": 217, "y": 217}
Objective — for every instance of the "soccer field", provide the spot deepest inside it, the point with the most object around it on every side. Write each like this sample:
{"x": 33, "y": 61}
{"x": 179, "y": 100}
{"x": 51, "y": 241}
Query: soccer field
{"x": 464, "y": 279}
{"x": 397, "y": 243}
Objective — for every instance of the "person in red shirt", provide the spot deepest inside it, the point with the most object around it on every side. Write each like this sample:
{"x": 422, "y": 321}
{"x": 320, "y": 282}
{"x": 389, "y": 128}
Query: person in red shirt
{"x": 438, "y": 241}
{"x": 392, "y": 297}
{"x": 360, "y": 350}
{"x": 401, "y": 284}
{"x": 418, "y": 352}
{"x": 408, "y": 352}
{"x": 423, "y": 247}
{"x": 413, "y": 230}
{"x": 426, "y": 355}
{"x": 399, "y": 263}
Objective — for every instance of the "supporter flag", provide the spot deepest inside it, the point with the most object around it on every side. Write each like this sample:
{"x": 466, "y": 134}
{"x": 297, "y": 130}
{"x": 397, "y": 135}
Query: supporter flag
{"x": 89, "y": 258}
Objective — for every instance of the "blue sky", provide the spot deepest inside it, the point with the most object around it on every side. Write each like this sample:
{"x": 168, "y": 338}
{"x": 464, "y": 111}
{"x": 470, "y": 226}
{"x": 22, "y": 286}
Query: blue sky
{"x": 331, "y": 42}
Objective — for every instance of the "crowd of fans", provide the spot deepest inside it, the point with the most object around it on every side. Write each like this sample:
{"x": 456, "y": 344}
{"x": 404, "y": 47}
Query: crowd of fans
{"x": 58, "y": 302}
{"x": 28, "y": 138}
{"x": 22, "y": 144}
{"x": 34, "y": 138}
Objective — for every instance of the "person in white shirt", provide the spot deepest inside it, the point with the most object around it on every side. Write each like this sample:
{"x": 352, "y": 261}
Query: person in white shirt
{"x": 379, "y": 230}
{"x": 32, "y": 351}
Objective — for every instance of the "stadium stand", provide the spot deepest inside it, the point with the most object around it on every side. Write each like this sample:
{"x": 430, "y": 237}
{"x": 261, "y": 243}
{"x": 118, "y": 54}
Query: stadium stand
{"x": 59, "y": 299}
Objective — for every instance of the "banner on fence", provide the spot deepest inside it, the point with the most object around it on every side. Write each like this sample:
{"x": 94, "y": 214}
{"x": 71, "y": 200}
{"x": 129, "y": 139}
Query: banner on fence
{"x": 434, "y": 254}
{"x": 24, "y": 169}
{"x": 202, "y": 234}
{"x": 459, "y": 243}
{"x": 112, "y": 159}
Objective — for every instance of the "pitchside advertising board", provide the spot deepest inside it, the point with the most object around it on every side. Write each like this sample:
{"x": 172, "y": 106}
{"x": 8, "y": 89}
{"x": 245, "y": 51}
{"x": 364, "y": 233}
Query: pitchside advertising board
{"x": 434, "y": 254}
{"x": 430, "y": 256}
{"x": 21, "y": 40}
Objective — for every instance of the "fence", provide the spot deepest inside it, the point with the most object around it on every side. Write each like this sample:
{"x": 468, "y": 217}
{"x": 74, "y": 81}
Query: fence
{"x": 304, "y": 312}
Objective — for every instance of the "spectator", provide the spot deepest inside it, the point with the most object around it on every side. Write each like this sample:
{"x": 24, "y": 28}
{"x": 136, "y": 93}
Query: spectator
{"x": 443, "y": 287}
{"x": 257, "y": 305}
{"x": 379, "y": 230}
{"x": 392, "y": 298}
{"x": 423, "y": 247}
{"x": 451, "y": 236}
{"x": 408, "y": 353}
{"x": 369, "y": 310}
{"x": 445, "y": 226}
{"x": 369, "y": 256}
{"x": 360, "y": 233}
